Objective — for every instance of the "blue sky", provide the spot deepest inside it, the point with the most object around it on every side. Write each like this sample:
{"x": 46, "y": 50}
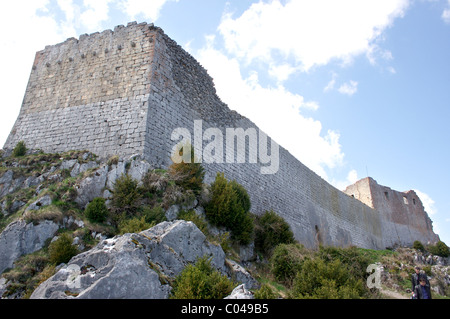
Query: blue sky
{"x": 351, "y": 88}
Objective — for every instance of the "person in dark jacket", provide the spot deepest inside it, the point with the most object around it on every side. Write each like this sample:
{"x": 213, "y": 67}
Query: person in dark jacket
{"x": 422, "y": 290}
{"x": 415, "y": 278}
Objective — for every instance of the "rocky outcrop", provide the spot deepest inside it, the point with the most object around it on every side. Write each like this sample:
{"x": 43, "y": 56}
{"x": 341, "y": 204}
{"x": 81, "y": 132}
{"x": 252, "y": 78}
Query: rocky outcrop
{"x": 240, "y": 292}
{"x": 21, "y": 238}
{"x": 134, "y": 266}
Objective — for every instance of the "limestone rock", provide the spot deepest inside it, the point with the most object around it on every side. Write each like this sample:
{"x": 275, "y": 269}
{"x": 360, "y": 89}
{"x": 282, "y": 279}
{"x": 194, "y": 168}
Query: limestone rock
{"x": 240, "y": 292}
{"x": 92, "y": 187}
{"x": 20, "y": 238}
{"x": 41, "y": 202}
{"x": 133, "y": 265}
{"x": 240, "y": 274}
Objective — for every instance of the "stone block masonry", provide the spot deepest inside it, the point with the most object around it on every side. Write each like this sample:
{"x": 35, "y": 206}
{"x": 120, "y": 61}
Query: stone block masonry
{"x": 125, "y": 91}
{"x": 90, "y": 93}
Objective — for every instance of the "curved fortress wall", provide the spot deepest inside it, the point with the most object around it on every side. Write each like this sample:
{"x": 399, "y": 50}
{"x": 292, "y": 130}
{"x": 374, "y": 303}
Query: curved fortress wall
{"x": 138, "y": 88}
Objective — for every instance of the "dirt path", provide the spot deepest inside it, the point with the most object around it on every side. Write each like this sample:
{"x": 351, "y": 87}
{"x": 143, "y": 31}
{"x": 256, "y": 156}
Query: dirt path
{"x": 392, "y": 294}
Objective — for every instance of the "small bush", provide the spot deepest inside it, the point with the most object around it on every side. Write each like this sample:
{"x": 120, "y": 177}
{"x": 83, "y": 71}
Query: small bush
{"x": 355, "y": 261}
{"x": 440, "y": 249}
{"x": 187, "y": 175}
{"x": 318, "y": 279}
{"x": 265, "y": 292}
{"x": 134, "y": 225}
{"x": 286, "y": 261}
{"x": 228, "y": 207}
{"x": 270, "y": 231}
{"x": 126, "y": 196}
{"x": 154, "y": 215}
{"x": 418, "y": 245}
{"x": 201, "y": 281}
{"x": 20, "y": 149}
{"x": 96, "y": 211}
{"x": 62, "y": 250}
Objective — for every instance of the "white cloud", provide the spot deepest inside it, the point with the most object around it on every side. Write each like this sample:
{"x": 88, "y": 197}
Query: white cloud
{"x": 446, "y": 13}
{"x": 352, "y": 178}
{"x": 349, "y": 88}
{"x": 427, "y": 201}
{"x": 96, "y": 11}
{"x": 149, "y": 9}
{"x": 275, "y": 110}
{"x": 18, "y": 45}
{"x": 313, "y": 33}
{"x": 331, "y": 84}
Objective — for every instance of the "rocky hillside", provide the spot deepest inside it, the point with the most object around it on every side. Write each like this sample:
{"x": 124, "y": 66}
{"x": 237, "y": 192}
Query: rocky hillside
{"x": 75, "y": 226}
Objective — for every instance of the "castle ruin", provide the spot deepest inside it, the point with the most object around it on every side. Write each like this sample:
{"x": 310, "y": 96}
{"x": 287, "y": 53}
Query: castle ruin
{"x": 124, "y": 91}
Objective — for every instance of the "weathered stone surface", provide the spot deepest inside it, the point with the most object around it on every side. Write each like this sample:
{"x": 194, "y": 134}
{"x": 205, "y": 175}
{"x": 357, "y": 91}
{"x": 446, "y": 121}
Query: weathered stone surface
{"x": 20, "y": 238}
{"x": 181, "y": 242}
{"x": 241, "y": 275}
{"x": 92, "y": 187}
{"x": 115, "y": 269}
{"x": 240, "y": 292}
{"x": 41, "y": 202}
{"x": 138, "y": 168}
{"x": 116, "y": 171}
{"x": 132, "y": 265}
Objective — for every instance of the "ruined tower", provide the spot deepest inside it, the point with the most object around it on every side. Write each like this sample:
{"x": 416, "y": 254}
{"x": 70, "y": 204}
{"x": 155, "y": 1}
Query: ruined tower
{"x": 124, "y": 92}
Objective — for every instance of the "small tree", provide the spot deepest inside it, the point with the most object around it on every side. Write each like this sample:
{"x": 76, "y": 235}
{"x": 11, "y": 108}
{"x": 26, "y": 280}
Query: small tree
{"x": 96, "y": 211}
{"x": 201, "y": 281}
{"x": 20, "y": 149}
{"x": 229, "y": 206}
{"x": 270, "y": 231}
{"x": 440, "y": 249}
{"x": 126, "y": 197}
{"x": 62, "y": 250}
{"x": 418, "y": 245}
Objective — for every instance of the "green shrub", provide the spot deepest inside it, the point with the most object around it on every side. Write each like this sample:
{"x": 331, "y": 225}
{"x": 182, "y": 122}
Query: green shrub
{"x": 286, "y": 261}
{"x": 153, "y": 215}
{"x": 126, "y": 196}
{"x": 265, "y": 292}
{"x": 440, "y": 249}
{"x": 201, "y": 281}
{"x": 96, "y": 211}
{"x": 228, "y": 207}
{"x": 187, "y": 175}
{"x": 318, "y": 279}
{"x": 62, "y": 250}
{"x": 20, "y": 149}
{"x": 270, "y": 231}
{"x": 353, "y": 258}
{"x": 418, "y": 245}
{"x": 134, "y": 225}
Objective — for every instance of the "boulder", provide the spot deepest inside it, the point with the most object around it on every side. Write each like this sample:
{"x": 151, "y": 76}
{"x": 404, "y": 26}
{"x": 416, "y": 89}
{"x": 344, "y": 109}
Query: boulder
{"x": 20, "y": 238}
{"x": 138, "y": 168}
{"x": 134, "y": 266}
{"x": 240, "y": 292}
{"x": 92, "y": 187}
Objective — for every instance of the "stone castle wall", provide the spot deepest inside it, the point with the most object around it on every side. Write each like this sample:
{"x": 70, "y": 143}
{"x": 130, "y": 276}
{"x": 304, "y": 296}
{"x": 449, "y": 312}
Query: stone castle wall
{"x": 90, "y": 93}
{"x": 404, "y": 214}
{"x": 157, "y": 87}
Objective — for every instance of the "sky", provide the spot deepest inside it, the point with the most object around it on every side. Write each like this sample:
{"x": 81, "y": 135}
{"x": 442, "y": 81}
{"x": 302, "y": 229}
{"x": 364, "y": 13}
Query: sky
{"x": 352, "y": 88}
